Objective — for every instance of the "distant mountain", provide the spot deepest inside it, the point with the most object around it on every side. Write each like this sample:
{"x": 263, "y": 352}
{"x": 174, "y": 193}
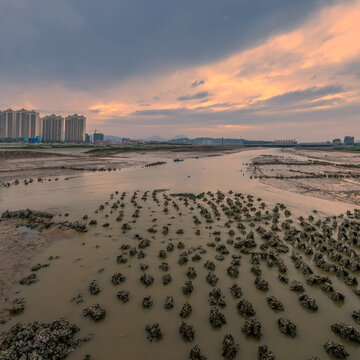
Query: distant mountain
{"x": 179, "y": 137}
{"x": 217, "y": 141}
{"x": 179, "y": 141}
{"x": 206, "y": 141}
{"x": 155, "y": 138}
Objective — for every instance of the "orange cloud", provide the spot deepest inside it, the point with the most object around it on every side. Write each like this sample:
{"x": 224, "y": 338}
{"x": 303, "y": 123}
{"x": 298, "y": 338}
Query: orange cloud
{"x": 297, "y": 60}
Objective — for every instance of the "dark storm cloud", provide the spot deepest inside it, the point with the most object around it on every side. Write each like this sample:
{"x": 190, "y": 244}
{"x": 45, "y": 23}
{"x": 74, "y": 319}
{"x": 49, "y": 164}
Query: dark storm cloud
{"x": 197, "y": 83}
{"x": 91, "y": 43}
{"x": 197, "y": 96}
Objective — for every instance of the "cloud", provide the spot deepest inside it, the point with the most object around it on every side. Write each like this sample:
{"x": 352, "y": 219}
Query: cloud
{"x": 254, "y": 74}
{"x": 197, "y": 96}
{"x": 158, "y": 112}
{"x": 217, "y": 106}
{"x": 82, "y": 43}
{"x": 197, "y": 83}
{"x": 351, "y": 68}
{"x": 300, "y": 96}
{"x": 312, "y": 124}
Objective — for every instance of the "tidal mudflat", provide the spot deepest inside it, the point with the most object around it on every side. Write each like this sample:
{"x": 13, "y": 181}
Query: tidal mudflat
{"x": 330, "y": 174}
{"x": 189, "y": 260}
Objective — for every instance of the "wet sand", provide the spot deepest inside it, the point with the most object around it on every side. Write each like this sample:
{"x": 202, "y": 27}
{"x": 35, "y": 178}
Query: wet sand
{"x": 19, "y": 245}
{"x": 202, "y": 229}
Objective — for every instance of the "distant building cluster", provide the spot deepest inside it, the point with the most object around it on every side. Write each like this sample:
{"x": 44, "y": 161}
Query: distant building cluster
{"x": 285, "y": 142}
{"x": 348, "y": 140}
{"x": 27, "y": 125}
{"x": 127, "y": 141}
{"x": 98, "y": 137}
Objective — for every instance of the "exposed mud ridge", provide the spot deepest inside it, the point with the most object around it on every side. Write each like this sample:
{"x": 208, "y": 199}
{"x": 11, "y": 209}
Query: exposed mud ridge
{"x": 37, "y": 220}
{"x": 157, "y": 163}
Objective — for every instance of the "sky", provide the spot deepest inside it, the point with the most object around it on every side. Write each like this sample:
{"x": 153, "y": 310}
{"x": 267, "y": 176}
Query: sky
{"x": 254, "y": 69}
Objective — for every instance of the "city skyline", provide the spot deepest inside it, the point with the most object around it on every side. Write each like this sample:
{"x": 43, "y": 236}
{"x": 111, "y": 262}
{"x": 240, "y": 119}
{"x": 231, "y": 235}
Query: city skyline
{"x": 28, "y": 125}
{"x": 72, "y": 128}
{"x": 257, "y": 71}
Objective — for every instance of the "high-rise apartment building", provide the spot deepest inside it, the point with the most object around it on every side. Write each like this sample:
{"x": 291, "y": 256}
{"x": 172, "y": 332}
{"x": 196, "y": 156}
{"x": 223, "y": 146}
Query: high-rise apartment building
{"x": 9, "y": 124}
{"x": 53, "y": 128}
{"x": 30, "y": 123}
{"x": 19, "y": 124}
{"x": 35, "y": 124}
{"x": 3, "y": 128}
{"x": 75, "y": 128}
{"x": 22, "y": 121}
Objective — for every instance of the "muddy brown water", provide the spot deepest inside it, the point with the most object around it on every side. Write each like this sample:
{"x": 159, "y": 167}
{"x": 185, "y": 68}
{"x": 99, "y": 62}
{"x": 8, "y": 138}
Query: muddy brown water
{"x": 121, "y": 335}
